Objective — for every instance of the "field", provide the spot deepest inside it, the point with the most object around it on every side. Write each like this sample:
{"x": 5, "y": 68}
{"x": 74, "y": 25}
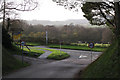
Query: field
{"x": 83, "y": 46}
{"x": 77, "y": 46}
{"x": 96, "y": 44}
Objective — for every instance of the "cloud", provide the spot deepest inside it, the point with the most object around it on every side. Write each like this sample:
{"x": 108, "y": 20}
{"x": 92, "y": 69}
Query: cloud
{"x": 49, "y": 10}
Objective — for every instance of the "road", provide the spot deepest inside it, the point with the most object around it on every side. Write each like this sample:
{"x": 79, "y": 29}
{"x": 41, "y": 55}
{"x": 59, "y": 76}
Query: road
{"x": 44, "y": 68}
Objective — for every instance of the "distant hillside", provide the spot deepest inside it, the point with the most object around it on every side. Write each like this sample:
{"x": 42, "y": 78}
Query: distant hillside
{"x": 83, "y": 22}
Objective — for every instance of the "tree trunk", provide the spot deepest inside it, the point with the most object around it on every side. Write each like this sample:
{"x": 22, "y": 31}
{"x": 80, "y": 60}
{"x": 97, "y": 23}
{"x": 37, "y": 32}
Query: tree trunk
{"x": 117, "y": 19}
{"x": 8, "y": 24}
{"x": 3, "y": 25}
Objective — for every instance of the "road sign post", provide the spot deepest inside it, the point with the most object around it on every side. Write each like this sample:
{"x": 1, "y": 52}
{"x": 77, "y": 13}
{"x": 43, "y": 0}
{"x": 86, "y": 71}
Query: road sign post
{"x": 60, "y": 48}
{"x": 91, "y": 55}
{"x": 22, "y": 44}
{"x": 91, "y": 45}
{"x": 22, "y": 54}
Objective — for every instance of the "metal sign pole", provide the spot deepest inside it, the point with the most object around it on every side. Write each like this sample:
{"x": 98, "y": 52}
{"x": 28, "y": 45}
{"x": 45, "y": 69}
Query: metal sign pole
{"x": 91, "y": 45}
{"x": 22, "y": 44}
{"x": 60, "y": 48}
{"x": 91, "y": 55}
{"x": 22, "y": 55}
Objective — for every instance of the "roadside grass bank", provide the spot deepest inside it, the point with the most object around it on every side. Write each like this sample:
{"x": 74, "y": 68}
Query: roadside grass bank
{"x": 9, "y": 63}
{"x": 26, "y": 52}
{"x": 30, "y": 43}
{"x": 56, "y": 54}
{"x": 106, "y": 66}
{"x": 33, "y": 44}
{"x": 82, "y": 47}
{"x": 33, "y": 52}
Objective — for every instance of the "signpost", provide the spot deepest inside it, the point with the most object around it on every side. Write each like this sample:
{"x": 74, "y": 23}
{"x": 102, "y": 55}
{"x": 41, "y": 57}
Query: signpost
{"x": 91, "y": 45}
{"x": 60, "y": 48}
{"x": 17, "y": 36}
{"x": 22, "y": 44}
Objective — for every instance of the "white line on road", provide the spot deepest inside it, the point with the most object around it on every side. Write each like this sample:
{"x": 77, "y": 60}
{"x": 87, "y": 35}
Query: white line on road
{"x": 82, "y": 56}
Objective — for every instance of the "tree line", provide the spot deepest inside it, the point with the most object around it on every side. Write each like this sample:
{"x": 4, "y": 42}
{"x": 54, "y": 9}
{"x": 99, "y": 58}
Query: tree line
{"x": 66, "y": 34}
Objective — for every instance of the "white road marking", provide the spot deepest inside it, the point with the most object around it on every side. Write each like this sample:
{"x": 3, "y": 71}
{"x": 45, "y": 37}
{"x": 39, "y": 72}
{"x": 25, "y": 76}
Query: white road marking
{"x": 82, "y": 56}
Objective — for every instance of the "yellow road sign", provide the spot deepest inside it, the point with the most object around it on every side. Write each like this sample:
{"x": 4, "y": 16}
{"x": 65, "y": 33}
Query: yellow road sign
{"x": 16, "y": 36}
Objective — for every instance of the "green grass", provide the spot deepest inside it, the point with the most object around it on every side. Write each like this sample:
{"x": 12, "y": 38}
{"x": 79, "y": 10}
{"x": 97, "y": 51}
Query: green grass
{"x": 99, "y": 49}
{"x": 56, "y": 54}
{"x": 106, "y": 66}
{"x": 102, "y": 45}
{"x": 86, "y": 44}
{"x": 30, "y": 43}
{"x": 33, "y": 44}
{"x": 32, "y": 52}
{"x": 9, "y": 63}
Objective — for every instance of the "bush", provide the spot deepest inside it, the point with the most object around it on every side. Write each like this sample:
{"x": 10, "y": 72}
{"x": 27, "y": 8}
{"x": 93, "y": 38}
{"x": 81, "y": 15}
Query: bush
{"x": 6, "y": 40}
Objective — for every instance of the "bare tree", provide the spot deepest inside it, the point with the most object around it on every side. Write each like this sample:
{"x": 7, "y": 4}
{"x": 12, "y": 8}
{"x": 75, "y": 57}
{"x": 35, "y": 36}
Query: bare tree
{"x": 98, "y": 13}
{"x": 9, "y": 7}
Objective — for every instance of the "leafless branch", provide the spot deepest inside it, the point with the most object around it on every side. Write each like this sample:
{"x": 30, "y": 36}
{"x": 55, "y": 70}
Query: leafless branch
{"x": 105, "y": 16}
{"x": 28, "y": 5}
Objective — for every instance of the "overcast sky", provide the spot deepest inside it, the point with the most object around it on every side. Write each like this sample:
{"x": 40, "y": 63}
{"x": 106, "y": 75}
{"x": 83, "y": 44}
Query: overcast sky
{"x": 49, "y": 10}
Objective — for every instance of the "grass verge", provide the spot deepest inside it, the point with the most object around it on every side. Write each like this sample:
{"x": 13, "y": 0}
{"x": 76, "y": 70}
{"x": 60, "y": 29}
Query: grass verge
{"x": 32, "y": 44}
{"x": 106, "y": 66}
{"x": 9, "y": 63}
{"x": 33, "y": 52}
{"x": 98, "y": 49}
{"x": 56, "y": 54}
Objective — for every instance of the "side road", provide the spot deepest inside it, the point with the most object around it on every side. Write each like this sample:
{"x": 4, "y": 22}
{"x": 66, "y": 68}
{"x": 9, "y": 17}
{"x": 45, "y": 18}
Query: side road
{"x": 44, "y": 68}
